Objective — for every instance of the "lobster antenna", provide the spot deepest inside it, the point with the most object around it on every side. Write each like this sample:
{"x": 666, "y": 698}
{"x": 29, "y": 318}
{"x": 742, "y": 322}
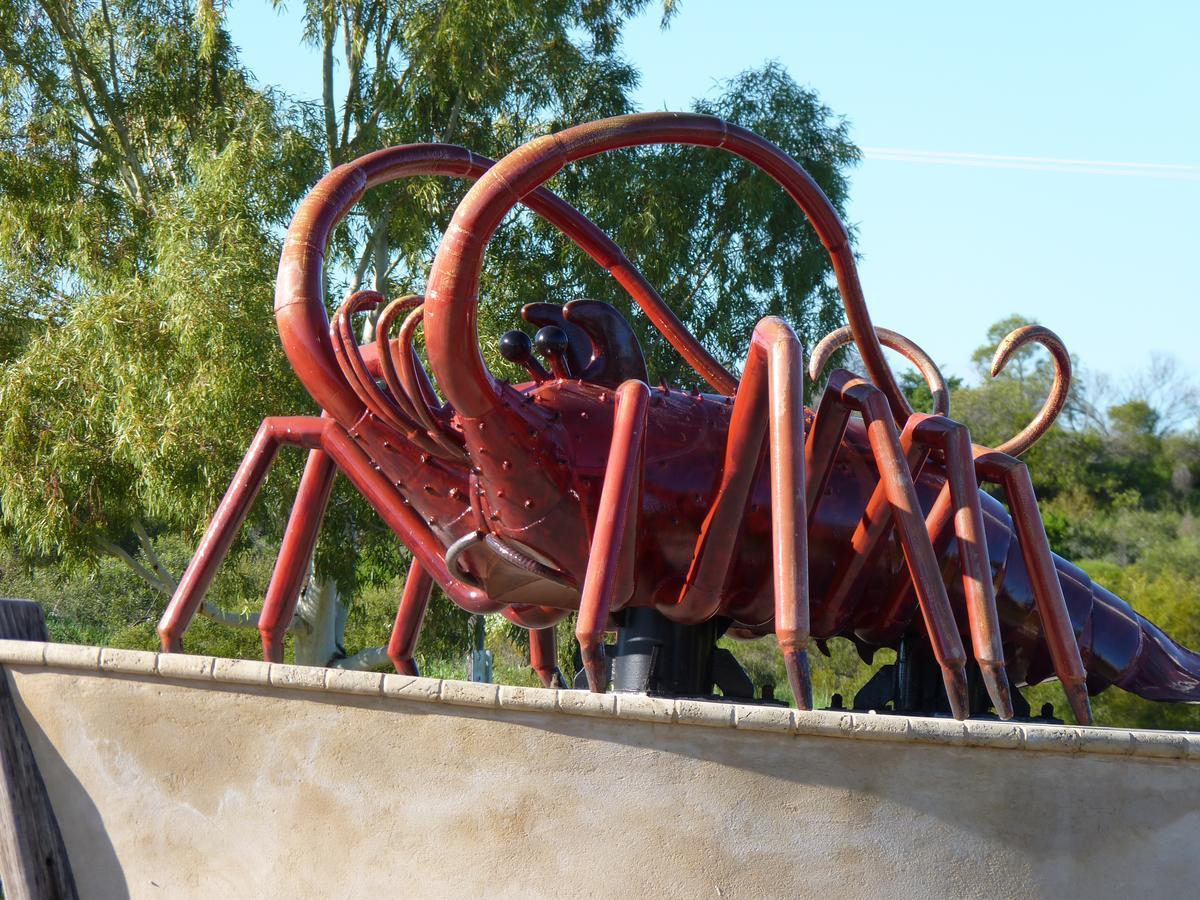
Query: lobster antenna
{"x": 453, "y": 294}
{"x": 300, "y": 289}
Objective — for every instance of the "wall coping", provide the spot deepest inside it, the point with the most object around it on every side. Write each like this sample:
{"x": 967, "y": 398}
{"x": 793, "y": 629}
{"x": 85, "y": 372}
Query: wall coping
{"x": 215, "y": 671}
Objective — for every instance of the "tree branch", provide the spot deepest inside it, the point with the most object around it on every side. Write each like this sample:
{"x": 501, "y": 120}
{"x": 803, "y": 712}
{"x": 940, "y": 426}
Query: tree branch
{"x": 234, "y": 620}
{"x": 134, "y": 566}
{"x": 355, "y": 51}
{"x": 155, "y": 563}
{"x": 364, "y": 260}
{"x": 364, "y": 660}
{"x": 74, "y": 49}
{"x": 329, "y": 24}
{"x": 452, "y": 122}
{"x": 112, "y": 51}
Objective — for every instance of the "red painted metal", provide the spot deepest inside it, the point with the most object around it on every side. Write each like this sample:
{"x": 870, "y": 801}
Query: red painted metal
{"x": 584, "y": 490}
{"x": 609, "y": 580}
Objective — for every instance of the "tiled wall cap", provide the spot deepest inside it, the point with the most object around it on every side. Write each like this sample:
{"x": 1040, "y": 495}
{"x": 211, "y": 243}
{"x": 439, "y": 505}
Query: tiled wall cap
{"x": 348, "y": 681}
{"x": 936, "y": 731}
{"x": 17, "y": 653}
{"x": 1192, "y": 745}
{"x": 1161, "y": 744}
{"x": 763, "y": 718}
{"x": 184, "y": 665}
{"x": 541, "y": 699}
{"x": 634, "y": 707}
{"x": 879, "y": 728}
{"x": 127, "y": 662}
{"x": 585, "y": 703}
{"x": 645, "y": 709}
{"x": 241, "y": 671}
{"x": 699, "y": 712}
{"x": 998, "y": 735}
{"x": 1062, "y": 738}
{"x": 1115, "y": 741}
{"x": 303, "y": 678}
{"x": 411, "y": 687}
{"x": 72, "y": 656}
{"x": 470, "y": 693}
{"x": 823, "y": 723}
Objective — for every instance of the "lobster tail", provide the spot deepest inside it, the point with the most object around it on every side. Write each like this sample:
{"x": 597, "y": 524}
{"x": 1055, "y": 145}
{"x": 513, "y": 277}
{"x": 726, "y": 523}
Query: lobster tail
{"x": 1120, "y": 646}
{"x": 1163, "y": 669}
{"x": 1124, "y": 648}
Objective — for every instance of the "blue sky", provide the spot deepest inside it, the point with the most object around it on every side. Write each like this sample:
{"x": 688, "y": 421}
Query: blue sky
{"x": 964, "y": 213}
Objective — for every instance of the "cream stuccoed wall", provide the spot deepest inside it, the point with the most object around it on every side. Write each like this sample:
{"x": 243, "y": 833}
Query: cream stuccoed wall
{"x": 184, "y": 776}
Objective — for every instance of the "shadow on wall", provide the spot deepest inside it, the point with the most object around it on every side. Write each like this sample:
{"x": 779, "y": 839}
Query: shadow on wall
{"x": 93, "y": 859}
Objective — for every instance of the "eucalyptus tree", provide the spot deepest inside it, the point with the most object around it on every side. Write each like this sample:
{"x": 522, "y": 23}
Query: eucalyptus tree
{"x": 142, "y": 182}
{"x": 145, "y": 181}
{"x": 487, "y": 75}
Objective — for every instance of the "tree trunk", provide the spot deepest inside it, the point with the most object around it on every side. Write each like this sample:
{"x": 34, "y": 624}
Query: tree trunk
{"x": 324, "y": 616}
{"x": 379, "y": 252}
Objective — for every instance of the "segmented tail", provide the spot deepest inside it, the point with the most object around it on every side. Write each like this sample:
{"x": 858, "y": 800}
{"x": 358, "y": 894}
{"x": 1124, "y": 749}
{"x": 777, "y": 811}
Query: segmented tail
{"x": 1122, "y": 647}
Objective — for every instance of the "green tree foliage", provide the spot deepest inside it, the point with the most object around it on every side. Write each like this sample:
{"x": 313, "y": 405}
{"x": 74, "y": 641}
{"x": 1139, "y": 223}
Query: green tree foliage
{"x": 145, "y": 182}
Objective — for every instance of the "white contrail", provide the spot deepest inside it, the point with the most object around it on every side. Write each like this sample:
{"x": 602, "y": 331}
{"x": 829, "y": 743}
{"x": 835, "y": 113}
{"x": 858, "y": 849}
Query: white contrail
{"x": 1170, "y": 171}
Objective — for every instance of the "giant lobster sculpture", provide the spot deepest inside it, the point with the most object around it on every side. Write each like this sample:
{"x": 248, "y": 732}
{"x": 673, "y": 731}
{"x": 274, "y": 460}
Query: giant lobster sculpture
{"x": 584, "y": 490}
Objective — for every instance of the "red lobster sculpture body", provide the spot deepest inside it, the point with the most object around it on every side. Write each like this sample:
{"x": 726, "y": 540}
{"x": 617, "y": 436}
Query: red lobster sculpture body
{"x": 584, "y": 490}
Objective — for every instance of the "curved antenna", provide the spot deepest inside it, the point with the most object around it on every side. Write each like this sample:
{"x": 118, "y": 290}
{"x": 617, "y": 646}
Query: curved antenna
{"x": 1059, "y": 390}
{"x": 345, "y": 345}
{"x": 894, "y": 340}
{"x": 453, "y": 292}
{"x": 345, "y": 348}
{"x": 300, "y": 291}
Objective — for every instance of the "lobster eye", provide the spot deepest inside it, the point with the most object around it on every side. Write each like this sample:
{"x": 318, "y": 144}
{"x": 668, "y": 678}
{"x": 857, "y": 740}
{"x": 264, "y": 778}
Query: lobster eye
{"x": 551, "y": 341}
{"x": 515, "y": 346}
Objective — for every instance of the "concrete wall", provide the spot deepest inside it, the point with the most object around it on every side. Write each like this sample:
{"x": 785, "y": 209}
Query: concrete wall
{"x": 185, "y": 776}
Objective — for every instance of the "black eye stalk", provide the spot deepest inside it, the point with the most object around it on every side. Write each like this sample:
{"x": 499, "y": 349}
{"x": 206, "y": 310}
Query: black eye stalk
{"x": 552, "y": 344}
{"x": 516, "y": 347}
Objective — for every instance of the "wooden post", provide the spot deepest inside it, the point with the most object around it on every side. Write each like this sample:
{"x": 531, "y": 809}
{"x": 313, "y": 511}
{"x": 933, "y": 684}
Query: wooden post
{"x": 33, "y": 858}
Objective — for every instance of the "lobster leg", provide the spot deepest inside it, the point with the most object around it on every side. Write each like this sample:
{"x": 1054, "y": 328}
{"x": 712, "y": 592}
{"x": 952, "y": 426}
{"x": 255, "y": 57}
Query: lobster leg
{"x": 543, "y": 656}
{"x": 769, "y": 398}
{"x": 274, "y": 432}
{"x": 295, "y": 552}
{"x": 789, "y": 519}
{"x": 823, "y": 441}
{"x": 958, "y": 503}
{"x": 954, "y": 440}
{"x": 897, "y": 482}
{"x": 1013, "y": 476}
{"x": 873, "y": 528}
{"x": 413, "y": 602}
{"x": 615, "y": 526}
